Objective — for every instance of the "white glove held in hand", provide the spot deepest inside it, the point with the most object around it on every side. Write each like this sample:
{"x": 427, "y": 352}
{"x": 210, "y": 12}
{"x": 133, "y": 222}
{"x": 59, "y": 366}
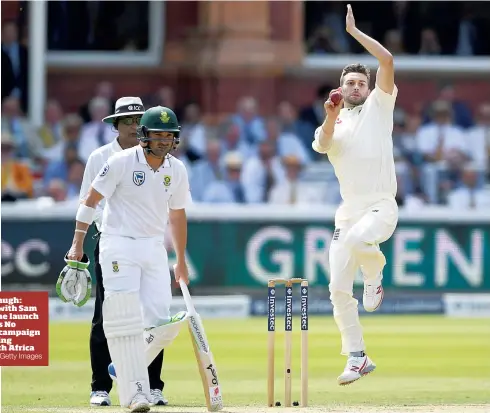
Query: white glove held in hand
{"x": 75, "y": 282}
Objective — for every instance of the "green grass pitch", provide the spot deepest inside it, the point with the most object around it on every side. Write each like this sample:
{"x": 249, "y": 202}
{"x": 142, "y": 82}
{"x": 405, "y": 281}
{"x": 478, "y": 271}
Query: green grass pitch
{"x": 421, "y": 361}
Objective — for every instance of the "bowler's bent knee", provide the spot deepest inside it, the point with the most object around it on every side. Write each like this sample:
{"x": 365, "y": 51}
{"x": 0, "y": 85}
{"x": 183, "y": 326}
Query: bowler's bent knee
{"x": 359, "y": 236}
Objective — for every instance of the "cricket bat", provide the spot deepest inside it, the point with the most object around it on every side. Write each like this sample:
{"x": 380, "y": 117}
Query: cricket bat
{"x": 204, "y": 357}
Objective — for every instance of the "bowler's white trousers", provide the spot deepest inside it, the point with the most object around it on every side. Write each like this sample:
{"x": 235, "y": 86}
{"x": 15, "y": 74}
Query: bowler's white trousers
{"x": 355, "y": 244}
{"x": 138, "y": 265}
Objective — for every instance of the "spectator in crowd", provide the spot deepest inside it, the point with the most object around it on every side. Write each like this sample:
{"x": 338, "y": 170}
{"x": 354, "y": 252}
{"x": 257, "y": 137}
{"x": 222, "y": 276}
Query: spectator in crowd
{"x": 261, "y": 172}
{"x": 229, "y": 133}
{"x": 229, "y": 188}
{"x": 252, "y": 127}
{"x": 429, "y": 43}
{"x": 70, "y": 137}
{"x": 292, "y": 190}
{"x": 59, "y": 168}
{"x": 27, "y": 144}
{"x": 444, "y": 149}
{"x": 323, "y": 40}
{"x": 15, "y": 64}
{"x": 164, "y": 96}
{"x": 467, "y": 34}
{"x": 193, "y": 132}
{"x": 96, "y": 133}
{"x": 17, "y": 182}
{"x": 335, "y": 20}
{"x": 56, "y": 190}
{"x": 207, "y": 170}
{"x": 103, "y": 90}
{"x": 74, "y": 179}
{"x": 286, "y": 143}
{"x": 401, "y": 20}
{"x": 479, "y": 139}
{"x": 469, "y": 195}
{"x": 406, "y": 154}
{"x": 291, "y": 124}
{"x": 51, "y": 132}
{"x": 461, "y": 111}
{"x": 394, "y": 42}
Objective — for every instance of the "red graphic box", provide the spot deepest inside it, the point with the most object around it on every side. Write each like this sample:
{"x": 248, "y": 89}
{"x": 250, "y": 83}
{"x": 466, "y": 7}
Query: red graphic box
{"x": 24, "y": 328}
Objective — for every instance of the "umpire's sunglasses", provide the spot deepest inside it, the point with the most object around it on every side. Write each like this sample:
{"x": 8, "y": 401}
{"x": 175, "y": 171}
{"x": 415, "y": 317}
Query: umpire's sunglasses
{"x": 130, "y": 120}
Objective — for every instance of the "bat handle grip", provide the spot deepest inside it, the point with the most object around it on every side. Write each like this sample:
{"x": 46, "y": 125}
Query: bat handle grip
{"x": 187, "y": 297}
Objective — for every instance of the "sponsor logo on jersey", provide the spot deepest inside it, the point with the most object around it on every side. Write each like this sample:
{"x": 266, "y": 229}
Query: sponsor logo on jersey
{"x": 138, "y": 178}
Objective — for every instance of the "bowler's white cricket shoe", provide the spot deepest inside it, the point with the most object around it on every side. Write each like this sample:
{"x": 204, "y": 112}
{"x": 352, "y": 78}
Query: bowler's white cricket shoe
{"x": 100, "y": 398}
{"x": 373, "y": 294}
{"x": 356, "y": 368}
{"x": 157, "y": 398}
{"x": 139, "y": 404}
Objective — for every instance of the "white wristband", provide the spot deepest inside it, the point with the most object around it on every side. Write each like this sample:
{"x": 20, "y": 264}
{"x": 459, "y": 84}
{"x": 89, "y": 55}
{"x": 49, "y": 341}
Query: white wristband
{"x": 85, "y": 214}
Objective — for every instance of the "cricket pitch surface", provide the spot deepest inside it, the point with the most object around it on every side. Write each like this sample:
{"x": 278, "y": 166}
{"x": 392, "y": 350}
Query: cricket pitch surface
{"x": 353, "y": 409}
{"x": 425, "y": 364}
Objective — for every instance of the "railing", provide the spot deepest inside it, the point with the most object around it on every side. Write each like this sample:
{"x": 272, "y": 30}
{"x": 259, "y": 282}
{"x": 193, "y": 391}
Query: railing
{"x": 405, "y": 64}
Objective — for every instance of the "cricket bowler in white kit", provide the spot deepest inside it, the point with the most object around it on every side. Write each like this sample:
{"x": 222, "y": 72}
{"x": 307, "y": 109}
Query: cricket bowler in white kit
{"x": 144, "y": 187}
{"x": 357, "y": 137}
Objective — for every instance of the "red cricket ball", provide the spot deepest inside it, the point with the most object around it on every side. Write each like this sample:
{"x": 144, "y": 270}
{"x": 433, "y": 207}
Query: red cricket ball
{"x": 336, "y": 97}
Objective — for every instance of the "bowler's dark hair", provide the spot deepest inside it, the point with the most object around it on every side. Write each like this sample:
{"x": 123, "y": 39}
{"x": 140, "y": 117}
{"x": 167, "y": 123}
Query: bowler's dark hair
{"x": 355, "y": 68}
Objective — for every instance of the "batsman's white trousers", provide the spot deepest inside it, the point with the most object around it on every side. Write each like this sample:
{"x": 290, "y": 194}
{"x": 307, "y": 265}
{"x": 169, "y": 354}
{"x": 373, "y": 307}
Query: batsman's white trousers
{"x": 355, "y": 245}
{"x": 138, "y": 265}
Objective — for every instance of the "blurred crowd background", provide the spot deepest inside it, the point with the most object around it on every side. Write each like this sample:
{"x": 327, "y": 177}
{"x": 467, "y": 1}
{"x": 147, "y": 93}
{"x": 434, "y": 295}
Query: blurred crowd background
{"x": 441, "y": 147}
{"x": 456, "y": 28}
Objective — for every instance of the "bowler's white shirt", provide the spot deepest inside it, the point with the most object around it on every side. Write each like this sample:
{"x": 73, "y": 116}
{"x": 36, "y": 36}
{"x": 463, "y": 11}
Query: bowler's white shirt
{"x": 95, "y": 162}
{"x": 137, "y": 197}
{"x": 362, "y": 152}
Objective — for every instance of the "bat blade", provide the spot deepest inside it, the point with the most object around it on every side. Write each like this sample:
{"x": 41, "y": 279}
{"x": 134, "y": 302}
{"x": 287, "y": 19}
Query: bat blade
{"x": 206, "y": 364}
